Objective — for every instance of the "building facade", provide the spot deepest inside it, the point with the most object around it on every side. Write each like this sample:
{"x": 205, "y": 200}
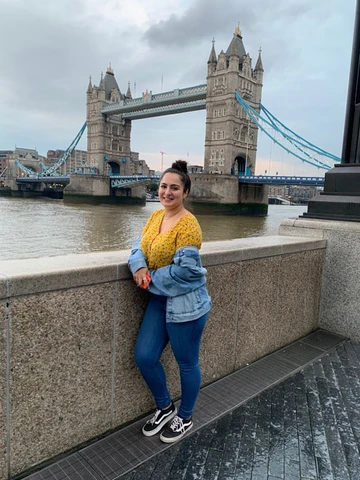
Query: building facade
{"x": 4, "y": 155}
{"x": 231, "y": 138}
{"x": 76, "y": 162}
{"x": 29, "y": 158}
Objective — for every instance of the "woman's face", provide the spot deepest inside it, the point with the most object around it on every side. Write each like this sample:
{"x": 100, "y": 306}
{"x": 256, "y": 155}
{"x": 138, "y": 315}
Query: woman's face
{"x": 171, "y": 191}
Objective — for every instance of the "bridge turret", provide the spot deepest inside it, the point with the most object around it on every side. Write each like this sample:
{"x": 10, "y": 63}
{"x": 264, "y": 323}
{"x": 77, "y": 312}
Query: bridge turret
{"x": 236, "y": 49}
{"x": 101, "y": 84}
{"x": 112, "y": 90}
{"x": 222, "y": 64}
{"x": 89, "y": 98}
{"x": 101, "y": 94}
{"x": 259, "y": 69}
{"x": 246, "y": 66}
{"x": 89, "y": 89}
{"x": 128, "y": 93}
{"x": 234, "y": 58}
{"x": 212, "y": 59}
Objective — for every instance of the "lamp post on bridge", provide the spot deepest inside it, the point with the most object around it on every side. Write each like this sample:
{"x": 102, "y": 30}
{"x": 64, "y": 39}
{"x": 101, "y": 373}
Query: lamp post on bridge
{"x": 340, "y": 199}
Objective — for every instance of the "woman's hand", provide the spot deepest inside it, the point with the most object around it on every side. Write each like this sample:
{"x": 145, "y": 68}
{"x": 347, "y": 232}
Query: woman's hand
{"x": 142, "y": 278}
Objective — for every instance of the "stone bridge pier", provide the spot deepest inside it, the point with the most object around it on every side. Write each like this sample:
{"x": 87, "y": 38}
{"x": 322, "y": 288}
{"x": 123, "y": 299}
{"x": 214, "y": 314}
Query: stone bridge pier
{"x": 224, "y": 194}
{"x": 97, "y": 189}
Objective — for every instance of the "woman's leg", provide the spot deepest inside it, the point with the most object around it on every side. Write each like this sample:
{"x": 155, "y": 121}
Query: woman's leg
{"x": 185, "y": 343}
{"x": 151, "y": 341}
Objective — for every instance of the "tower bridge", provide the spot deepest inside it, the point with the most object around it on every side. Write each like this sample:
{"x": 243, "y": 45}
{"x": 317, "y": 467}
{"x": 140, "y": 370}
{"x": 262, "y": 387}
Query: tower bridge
{"x": 230, "y": 139}
{"x": 234, "y": 114}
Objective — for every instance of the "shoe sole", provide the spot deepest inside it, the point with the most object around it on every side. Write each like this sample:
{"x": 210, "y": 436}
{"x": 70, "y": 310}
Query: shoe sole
{"x": 175, "y": 439}
{"x": 160, "y": 426}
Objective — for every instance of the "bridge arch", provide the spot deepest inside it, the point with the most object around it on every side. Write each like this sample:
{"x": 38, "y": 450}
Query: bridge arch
{"x": 240, "y": 164}
{"x": 115, "y": 167}
{"x": 32, "y": 167}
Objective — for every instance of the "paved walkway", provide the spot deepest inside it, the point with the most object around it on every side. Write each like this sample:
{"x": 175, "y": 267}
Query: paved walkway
{"x": 293, "y": 415}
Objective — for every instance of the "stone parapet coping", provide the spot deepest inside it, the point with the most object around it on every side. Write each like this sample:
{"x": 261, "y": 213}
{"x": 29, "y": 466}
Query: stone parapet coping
{"x": 35, "y": 275}
{"x": 320, "y": 225}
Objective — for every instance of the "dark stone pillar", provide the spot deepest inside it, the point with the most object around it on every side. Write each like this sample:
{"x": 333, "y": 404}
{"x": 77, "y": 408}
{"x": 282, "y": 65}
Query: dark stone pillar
{"x": 340, "y": 199}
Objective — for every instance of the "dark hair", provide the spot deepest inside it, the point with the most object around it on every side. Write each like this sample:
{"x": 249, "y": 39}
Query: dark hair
{"x": 180, "y": 167}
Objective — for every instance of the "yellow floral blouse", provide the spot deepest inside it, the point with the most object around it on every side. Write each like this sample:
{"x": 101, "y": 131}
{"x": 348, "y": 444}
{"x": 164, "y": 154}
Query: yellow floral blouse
{"x": 159, "y": 248}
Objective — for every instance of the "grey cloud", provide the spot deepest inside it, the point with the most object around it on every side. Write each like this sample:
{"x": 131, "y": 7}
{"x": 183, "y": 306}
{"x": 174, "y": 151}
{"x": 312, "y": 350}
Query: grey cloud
{"x": 54, "y": 54}
{"x": 262, "y": 25}
{"x": 201, "y": 21}
{"x": 211, "y": 17}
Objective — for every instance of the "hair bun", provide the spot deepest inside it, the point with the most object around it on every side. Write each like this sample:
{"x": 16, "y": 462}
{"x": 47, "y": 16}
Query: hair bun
{"x": 180, "y": 165}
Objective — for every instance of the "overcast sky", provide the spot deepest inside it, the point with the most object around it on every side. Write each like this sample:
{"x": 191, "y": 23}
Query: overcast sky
{"x": 49, "y": 49}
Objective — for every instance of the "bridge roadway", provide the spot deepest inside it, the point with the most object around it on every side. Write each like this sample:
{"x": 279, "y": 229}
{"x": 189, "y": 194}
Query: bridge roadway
{"x": 122, "y": 180}
{"x": 153, "y": 105}
{"x": 281, "y": 180}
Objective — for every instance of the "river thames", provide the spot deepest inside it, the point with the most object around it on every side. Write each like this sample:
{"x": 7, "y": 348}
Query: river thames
{"x": 43, "y": 227}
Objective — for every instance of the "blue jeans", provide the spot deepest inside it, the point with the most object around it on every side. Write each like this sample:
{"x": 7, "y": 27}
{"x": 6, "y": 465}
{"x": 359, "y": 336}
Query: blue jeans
{"x": 184, "y": 339}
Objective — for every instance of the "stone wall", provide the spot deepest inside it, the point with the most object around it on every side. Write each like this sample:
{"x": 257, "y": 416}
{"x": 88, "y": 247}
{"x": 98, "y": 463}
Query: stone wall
{"x": 68, "y": 327}
{"x": 340, "y": 306}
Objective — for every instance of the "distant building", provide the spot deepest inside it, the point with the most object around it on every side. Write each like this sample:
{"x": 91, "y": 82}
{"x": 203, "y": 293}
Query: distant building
{"x": 4, "y": 154}
{"x": 300, "y": 193}
{"x": 138, "y": 166}
{"x": 28, "y": 157}
{"x": 277, "y": 191}
{"x": 29, "y": 153}
{"x": 77, "y": 160}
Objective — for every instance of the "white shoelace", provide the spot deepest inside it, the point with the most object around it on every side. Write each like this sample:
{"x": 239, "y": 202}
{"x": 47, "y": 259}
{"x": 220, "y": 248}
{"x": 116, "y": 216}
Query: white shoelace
{"x": 155, "y": 417}
{"x": 177, "y": 424}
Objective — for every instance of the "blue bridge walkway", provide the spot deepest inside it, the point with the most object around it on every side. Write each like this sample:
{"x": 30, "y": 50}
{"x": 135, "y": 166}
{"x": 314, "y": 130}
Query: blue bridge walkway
{"x": 281, "y": 180}
{"x": 125, "y": 181}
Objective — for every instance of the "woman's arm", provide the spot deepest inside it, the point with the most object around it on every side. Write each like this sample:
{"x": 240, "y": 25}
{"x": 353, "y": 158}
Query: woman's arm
{"x": 137, "y": 258}
{"x": 184, "y": 275}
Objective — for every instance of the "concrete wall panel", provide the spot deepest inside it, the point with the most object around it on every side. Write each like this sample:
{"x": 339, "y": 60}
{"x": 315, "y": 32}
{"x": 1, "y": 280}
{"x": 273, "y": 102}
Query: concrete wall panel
{"x": 60, "y": 371}
{"x": 3, "y": 390}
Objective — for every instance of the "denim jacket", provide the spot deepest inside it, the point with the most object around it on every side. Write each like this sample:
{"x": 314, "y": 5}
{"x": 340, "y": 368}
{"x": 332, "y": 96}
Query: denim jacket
{"x": 182, "y": 282}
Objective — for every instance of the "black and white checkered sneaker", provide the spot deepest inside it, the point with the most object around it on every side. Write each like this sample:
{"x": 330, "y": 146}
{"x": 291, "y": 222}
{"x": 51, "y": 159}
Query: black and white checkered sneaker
{"x": 176, "y": 429}
{"x": 159, "y": 420}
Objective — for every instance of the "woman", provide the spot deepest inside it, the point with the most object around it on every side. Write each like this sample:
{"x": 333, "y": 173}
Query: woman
{"x": 166, "y": 261}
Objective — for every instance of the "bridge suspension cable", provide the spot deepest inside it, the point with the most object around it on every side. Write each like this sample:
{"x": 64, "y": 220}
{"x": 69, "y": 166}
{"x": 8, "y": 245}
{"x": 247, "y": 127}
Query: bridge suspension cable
{"x": 49, "y": 171}
{"x": 299, "y": 147}
{"x": 52, "y": 170}
{"x": 2, "y": 174}
{"x": 27, "y": 171}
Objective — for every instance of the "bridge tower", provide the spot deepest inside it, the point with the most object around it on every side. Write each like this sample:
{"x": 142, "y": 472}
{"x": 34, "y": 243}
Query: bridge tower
{"x": 108, "y": 136}
{"x": 231, "y": 138}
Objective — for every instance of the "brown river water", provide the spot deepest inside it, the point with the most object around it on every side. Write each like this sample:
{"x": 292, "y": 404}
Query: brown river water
{"x": 44, "y": 227}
